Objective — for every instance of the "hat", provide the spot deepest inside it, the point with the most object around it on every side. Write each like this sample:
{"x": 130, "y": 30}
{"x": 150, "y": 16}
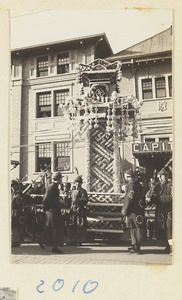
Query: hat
{"x": 57, "y": 175}
{"x": 129, "y": 172}
{"x": 78, "y": 179}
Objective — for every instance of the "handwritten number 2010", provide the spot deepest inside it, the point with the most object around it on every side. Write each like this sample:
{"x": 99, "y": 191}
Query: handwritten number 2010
{"x": 88, "y": 287}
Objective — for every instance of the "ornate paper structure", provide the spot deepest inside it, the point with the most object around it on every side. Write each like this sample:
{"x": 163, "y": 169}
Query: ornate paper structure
{"x": 107, "y": 117}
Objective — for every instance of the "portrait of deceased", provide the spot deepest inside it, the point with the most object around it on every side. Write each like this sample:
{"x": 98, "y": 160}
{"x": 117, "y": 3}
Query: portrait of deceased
{"x": 91, "y": 137}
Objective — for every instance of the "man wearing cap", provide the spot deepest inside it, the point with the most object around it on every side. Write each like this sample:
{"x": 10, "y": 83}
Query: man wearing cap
{"x": 53, "y": 230}
{"x": 77, "y": 222}
{"x": 133, "y": 209}
{"x": 164, "y": 209}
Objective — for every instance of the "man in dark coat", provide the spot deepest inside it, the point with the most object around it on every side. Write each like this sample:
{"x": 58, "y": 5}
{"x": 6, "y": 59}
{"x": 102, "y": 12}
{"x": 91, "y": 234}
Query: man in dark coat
{"x": 77, "y": 228}
{"x": 133, "y": 209}
{"x": 164, "y": 208}
{"x": 53, "y": 230}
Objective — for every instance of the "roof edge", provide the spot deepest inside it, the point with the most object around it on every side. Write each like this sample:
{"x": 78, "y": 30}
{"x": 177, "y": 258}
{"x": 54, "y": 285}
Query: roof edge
{"x": 144, "y": 56}
{"x": 117, "y": 55}
{"x": 152, "y": 36}
{"x": 64, "y": 41}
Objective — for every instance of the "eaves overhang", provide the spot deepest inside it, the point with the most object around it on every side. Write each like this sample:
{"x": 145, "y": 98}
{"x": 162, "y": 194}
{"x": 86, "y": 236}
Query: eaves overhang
{"x": 67, "y": 42}
{"x": 141, "y": 58}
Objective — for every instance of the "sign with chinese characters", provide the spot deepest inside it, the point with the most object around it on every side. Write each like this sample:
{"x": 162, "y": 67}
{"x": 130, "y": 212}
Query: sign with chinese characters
{"x": 162, "y": 106}
{"x": 148, "y": 147}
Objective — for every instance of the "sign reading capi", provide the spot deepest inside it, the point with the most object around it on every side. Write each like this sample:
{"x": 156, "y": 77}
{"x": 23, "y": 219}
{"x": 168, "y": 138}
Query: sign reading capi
{"x": 152, "y": 147}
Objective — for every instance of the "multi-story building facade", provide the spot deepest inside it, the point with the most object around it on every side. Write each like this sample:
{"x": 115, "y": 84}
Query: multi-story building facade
{"x": 147, "y": 74}
{"x": 44, "y": 76}
{"x": 77, "y": 83}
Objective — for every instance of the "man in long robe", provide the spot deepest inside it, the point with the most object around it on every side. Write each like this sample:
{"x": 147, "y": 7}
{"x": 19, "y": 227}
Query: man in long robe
{"x": 133, "y": 210}
{"x": 53, "y": 230}
{"x": 77, "y": 227}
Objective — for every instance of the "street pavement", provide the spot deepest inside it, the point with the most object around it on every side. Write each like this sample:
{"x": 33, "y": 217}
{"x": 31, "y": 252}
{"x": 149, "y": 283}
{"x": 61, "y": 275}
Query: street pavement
{"x": 93, "y": 253}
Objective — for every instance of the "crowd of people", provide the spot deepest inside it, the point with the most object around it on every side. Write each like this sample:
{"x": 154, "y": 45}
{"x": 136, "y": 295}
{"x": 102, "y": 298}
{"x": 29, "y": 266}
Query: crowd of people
{"x": 64, "y": 209}
{"x": 135, "y": 201}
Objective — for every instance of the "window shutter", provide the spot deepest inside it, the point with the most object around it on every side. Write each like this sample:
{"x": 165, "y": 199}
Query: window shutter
{"x": 73, "y": 59}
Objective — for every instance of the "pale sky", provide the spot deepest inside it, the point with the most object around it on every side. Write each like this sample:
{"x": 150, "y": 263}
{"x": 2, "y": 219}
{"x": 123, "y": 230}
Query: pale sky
{"x": 123, "y": 28}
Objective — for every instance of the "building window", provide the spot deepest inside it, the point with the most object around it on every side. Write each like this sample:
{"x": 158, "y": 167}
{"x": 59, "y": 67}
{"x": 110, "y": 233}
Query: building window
{"x": 149, "y": 140}
{"x": 170, "y": 85}
{"x": 60, "y": 98}
{"x": 43, "y": 152}
{"x": 147, "y": 88}
{"x": 62, "y": 153}
{"x": 42, "y": 66}
{"x": 160, "y": 87}
{"x": 164, "y": 139}
{"x": 44, "y": 105}
{"x": 63, "y": 63}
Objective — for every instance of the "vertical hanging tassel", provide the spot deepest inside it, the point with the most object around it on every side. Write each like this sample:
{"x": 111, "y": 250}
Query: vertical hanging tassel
{"x": 82, "y": 90}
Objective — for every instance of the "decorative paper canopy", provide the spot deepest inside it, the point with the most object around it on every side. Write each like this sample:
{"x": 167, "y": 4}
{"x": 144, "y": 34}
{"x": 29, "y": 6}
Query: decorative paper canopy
{"x": 84, "y": 111}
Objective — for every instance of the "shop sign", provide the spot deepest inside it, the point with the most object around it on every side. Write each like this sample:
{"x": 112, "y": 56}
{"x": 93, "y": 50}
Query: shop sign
{"x": 152, "y": 147}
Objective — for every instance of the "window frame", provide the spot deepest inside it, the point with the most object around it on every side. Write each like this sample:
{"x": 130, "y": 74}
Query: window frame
{"x": 47, "y": 66}
{"x": 160, "y": 85}
{"x": 55, "y": 150}
{"x": 66, "y": 64}
{"x": 40, "y": 159}
{"x": 150, "y": 140}
{"x": 149, "y": 90}
{"x": 157, "y": 138}
{"x": 54, "y": 100}
{"x": 38, "y": 111}
{"x": 153, "y": 80}
{"x": 170, "y": 85}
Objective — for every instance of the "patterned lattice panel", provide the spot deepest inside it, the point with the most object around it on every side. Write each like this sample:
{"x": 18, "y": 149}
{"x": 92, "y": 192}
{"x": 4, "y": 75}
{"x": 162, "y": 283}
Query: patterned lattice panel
{"x": 104, "y": 209}
{"x": 101, "y": 160}
{"x": 105, "y": 198}
{"x": 105, "y": 225}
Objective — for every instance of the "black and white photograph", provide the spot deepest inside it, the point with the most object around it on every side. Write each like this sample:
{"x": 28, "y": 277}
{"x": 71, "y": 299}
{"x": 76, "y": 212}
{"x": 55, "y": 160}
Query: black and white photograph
{"x": 91, "y": 137}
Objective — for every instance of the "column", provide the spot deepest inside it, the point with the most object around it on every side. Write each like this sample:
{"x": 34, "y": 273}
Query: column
{"x": 88, "y": 165}
{"x": 133, "y": 70}
{"x": 116, "y": 162}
